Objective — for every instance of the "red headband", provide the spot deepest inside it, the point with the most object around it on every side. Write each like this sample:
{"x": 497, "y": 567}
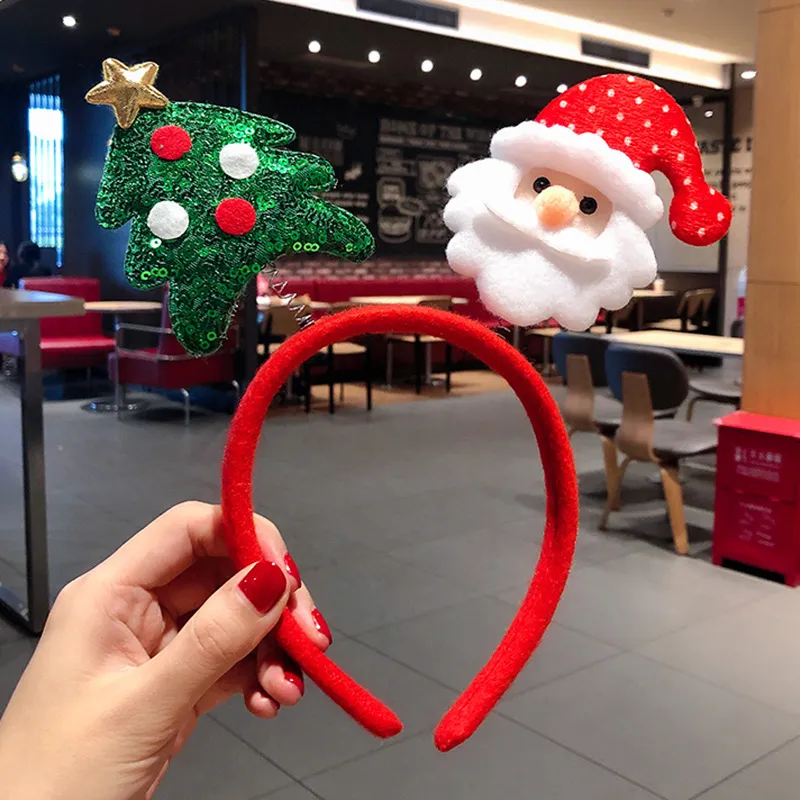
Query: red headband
{"x": 555, "y": 559}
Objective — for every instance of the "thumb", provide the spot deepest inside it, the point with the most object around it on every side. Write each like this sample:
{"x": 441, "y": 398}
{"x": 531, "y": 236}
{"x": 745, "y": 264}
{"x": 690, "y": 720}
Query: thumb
{"x": 227, "y": 627}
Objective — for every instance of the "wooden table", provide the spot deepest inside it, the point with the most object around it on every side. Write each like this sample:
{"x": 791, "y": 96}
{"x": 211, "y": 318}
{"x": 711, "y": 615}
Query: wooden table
{"x": 118, "y": 308}
{"x": 21, "y": 312}
{"x": 403, "y": 300}
{"x": 698, "y": 344}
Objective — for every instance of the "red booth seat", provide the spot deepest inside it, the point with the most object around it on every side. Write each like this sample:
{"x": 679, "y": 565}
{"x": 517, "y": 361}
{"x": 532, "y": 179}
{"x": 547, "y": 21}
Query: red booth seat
{"x": 67, "y": 342}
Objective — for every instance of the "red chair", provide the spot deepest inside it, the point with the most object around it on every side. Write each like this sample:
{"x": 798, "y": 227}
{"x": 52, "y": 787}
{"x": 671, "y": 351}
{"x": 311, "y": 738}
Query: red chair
{"x": 67, "y": 342}
{"x": 168, "y": 366}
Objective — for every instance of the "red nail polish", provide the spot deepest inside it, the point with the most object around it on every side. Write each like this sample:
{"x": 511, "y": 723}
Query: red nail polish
{"x": 291, "y": 569}
{"x": 322, "y": 626}
{"x": 264, "y": 585}
{"x": 294, "y": 675}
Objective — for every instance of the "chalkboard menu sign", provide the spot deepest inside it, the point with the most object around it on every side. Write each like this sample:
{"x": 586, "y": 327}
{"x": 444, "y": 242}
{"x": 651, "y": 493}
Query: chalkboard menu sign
{"x": 392, "y": 167}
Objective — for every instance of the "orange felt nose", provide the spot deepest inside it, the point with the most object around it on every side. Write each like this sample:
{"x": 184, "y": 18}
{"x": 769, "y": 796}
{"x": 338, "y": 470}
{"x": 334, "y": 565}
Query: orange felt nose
{"x": 556, "y": 207}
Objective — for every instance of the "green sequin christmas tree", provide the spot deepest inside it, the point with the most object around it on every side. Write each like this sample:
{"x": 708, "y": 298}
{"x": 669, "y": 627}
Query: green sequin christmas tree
{"x": 213, "y": 199}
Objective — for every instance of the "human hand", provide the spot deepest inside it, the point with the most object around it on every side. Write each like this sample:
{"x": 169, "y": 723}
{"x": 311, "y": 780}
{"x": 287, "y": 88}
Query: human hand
{"x": 138, "y": 648}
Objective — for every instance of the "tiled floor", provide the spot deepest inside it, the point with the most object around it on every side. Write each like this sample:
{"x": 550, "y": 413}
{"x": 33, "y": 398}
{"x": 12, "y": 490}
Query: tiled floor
{"x": 416, "y": 529}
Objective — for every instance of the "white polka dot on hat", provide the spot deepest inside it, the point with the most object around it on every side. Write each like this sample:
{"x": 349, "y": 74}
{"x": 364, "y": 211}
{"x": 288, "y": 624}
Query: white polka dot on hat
{"x": 655, "y": 135}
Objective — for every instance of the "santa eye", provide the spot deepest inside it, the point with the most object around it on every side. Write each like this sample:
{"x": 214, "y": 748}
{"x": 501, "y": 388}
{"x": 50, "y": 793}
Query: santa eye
{"x": 540, "y": 184}
{"x": 588, "y": 205}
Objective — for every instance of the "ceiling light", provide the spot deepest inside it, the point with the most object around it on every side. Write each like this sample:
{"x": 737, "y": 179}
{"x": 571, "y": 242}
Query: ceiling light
{"x": 520, "y": 81}
{"x": 314, "y": 46}
{"x": 709, "y": 113}
{"x": 69, "y": 21}
{"x": 374, "y": 56}
{"x": 19, "y": 168}
{"x": 561, "y": 88}
{"x": 476, "y": 74}
{"x": 749, "y": 74}
{"x": 426, "y": 65}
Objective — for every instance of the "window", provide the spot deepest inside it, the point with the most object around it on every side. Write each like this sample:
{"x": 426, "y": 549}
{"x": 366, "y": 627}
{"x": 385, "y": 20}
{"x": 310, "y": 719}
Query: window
{"x": 46, "y": 162}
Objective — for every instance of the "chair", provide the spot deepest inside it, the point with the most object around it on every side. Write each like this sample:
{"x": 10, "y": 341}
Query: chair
{"x": 284, "y": 322}
{"x": 727, "y": 391}
{"x": 547, "y": 335}
{"x": 645, "y": 378}
{"x": 692, "y": 313}
{"x": 422, "y": 349}
{"x": 168, "y": 366}
{"x": 613, "y": 320}
{"x": 67, "y": 342}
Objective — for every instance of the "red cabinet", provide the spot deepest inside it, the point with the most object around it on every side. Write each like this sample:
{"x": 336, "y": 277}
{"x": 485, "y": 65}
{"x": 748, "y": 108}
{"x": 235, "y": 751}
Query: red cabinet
{"x": 757, "y": 506}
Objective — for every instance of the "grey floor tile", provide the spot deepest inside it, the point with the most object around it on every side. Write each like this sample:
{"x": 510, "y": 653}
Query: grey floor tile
{"x": 774, "y": 777}
{"x": 748, "y": 650}
{"x": 375, "y": 590}
{"x": 486, "y": 561}
{"x": 453, "y": 644}
{"x": 501, "y": 760}
{"x": 316, "y": 734}
{"x": 15, "y": 653}
{"x": 663, "y": 729}
{"x": 642, "y": 596}
{"x": 214, "y": 764}
{"x": 295, "y": 792}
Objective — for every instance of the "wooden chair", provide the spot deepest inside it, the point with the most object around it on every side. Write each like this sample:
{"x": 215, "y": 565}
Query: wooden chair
{"x": 693, "y": 312}
{"x": 422, "y": 348}
{"x": 614, "y": 320}
{"x": 284, "y": 322}
{"x": 635, "y": 375}
{"x": 580, "y": 358}
{"x": 727, "y": 391}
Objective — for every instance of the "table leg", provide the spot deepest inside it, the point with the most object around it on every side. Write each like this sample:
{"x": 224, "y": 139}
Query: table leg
{"x": 32, "y": 615}
{"x": 515, "y": 334}
{"x": 107, "y": 405}
{"x": 639, "y": 315}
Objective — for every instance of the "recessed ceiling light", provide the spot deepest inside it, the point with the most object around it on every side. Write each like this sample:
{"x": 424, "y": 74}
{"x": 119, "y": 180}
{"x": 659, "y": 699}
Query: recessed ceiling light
{"x": 749, "y": 74}
{"x": 374, "y": 56}
{"x": 69, "y": 21}
{"x": 314, "y": 46}
{"x": 709, "y": 113}
{"x": 426, "y": 65}
{"x": 476, "y": 74}
{"x": 520, "y": 81}
{"x": 561, "y": 88}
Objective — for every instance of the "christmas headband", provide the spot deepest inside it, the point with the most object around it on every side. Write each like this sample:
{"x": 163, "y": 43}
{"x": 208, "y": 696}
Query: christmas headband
{"x": 552, "y": 224}
{"x": 555, "y": 559}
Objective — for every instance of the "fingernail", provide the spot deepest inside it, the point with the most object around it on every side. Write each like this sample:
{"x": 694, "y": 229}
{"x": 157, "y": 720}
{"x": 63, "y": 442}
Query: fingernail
{"x": 321, "y": 625}
{"x": 291, "y": 569}
{"x": 264, "y": 585}
{"x": 294, "y": 675}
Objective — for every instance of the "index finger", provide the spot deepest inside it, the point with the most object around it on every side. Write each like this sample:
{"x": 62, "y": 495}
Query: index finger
{"x": 170, "y": 544}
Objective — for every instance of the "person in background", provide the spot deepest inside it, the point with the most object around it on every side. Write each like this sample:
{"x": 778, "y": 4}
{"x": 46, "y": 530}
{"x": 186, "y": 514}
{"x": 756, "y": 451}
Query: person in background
{"x": 5, "y": 261}
{"x": 28, "y": 265}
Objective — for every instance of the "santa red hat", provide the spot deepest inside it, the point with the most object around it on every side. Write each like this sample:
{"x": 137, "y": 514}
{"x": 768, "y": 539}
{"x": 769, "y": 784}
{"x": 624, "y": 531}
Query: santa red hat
{"x": 612, "y": 131}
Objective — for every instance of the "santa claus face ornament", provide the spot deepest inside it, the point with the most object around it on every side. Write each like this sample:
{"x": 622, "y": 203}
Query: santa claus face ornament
{"x": 553, "y": 223}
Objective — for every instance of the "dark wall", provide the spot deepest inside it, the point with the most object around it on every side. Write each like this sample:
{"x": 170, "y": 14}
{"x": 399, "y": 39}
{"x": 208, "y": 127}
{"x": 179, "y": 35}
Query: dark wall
{"x": 13, "y": 139}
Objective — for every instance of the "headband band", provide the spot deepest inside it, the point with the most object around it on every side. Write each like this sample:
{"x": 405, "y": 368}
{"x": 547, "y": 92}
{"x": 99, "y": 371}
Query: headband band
{"x": 555, "y": 558}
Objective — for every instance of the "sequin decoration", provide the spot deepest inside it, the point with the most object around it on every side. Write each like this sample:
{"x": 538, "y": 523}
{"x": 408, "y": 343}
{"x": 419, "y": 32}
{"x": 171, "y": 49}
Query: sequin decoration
{"x": 206, "y": 268}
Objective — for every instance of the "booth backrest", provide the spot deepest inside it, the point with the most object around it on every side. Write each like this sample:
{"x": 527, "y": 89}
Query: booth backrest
{"x": 90, "y": 324}
{"x": 335, "y": 290}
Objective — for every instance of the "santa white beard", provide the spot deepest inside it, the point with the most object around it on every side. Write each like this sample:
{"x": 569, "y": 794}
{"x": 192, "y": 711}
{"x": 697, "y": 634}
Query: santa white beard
{"x": 527, "y": 274}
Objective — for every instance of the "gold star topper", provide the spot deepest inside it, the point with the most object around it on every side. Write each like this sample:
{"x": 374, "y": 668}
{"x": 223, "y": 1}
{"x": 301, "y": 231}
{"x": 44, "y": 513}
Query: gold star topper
{"x": 127, "y": 90}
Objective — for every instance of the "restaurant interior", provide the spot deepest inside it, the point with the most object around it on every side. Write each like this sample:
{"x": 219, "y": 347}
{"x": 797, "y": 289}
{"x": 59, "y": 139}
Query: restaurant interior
{"x": 395, "y": 458}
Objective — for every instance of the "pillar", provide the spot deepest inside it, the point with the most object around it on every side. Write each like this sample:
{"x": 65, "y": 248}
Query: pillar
{"x": 771, "y": 380}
